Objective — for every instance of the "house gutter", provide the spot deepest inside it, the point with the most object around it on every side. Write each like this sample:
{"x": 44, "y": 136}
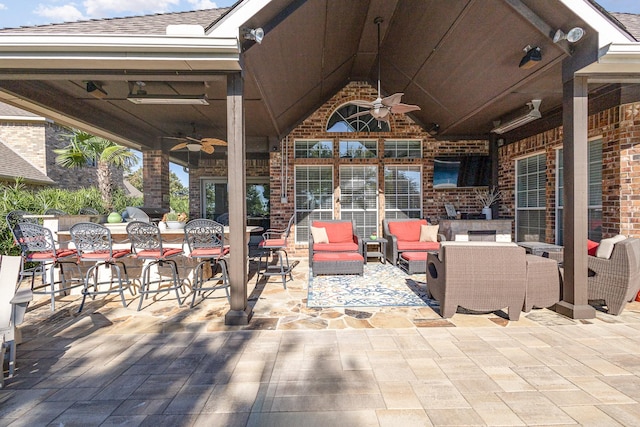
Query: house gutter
{"x": 114, "y": 52}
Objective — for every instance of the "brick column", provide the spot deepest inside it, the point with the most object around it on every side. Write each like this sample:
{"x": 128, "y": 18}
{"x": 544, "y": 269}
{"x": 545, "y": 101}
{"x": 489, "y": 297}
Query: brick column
{"x": 155, "y": 175}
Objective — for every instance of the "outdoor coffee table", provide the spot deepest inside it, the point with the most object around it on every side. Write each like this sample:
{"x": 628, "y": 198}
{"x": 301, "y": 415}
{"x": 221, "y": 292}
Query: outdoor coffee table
{"x": 381, "y": 244}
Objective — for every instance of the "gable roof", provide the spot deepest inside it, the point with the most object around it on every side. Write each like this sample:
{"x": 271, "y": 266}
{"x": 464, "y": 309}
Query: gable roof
{"x": 12, "y": 165}
{"x": 630, "y": 21}
{"x": 144, "y": 25}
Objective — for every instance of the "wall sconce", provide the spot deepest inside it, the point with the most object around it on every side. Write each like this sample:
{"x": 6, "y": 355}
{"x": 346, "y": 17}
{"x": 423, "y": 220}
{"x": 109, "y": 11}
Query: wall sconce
{"x": 532, "y": 56}
{"x": 95, "y": 89}
{"x": 433, "y": 129}
{"x": 572, "y": 36}
{"x": 255, "y": 34}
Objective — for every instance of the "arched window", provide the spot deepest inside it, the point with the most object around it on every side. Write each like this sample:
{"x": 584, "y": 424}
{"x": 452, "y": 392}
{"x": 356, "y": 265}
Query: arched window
{"x": 339, "y": 121}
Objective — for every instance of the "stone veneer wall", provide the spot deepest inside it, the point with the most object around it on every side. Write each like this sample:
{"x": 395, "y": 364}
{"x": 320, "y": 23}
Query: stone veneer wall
{"x": 619, "y": 129}
{"x": 314, "y": 127}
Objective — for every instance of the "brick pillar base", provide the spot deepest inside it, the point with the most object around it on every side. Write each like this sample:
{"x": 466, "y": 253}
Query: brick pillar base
{"x": 155, "y": 175}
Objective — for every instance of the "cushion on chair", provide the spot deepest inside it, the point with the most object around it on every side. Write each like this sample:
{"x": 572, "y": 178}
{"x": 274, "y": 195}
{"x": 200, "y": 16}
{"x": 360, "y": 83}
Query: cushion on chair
{"x": 337, "y": 232}
{"x": 414, "y": 256}
{"x": 105, "y": 255}
{"x": 335, "y": 247}
{"x": 418, "y": 246}
{"x": 40, "y": 256}
{"x": 606, "y": 246}
{"x": 156, "y": 253}
{"x": 429, "y": 233}
{"x": 592, "y": 247}
{"x": 208, "y": 252}
{"x": 335, "y": 256}
{"x": 273, "y": 243}
{"x": 319, "y": 235}
{"x": 408, "y": 231}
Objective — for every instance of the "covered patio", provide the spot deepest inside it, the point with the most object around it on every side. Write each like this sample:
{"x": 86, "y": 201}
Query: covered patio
{"x": 256, "y": 94}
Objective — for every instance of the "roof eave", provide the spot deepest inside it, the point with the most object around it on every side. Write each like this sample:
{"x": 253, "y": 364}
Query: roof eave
{"x": 617, "y": 63}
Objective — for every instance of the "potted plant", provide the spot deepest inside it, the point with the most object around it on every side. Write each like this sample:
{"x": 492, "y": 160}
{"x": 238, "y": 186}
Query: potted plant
{"x": 175, "y": 220}
{"x": 487, "y": 198}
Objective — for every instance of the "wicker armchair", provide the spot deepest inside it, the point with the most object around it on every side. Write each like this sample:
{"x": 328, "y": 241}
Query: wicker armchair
{"x": 396, "y": 244}
{"x": 483, "y": 276}
{"x": 616, "y": 280}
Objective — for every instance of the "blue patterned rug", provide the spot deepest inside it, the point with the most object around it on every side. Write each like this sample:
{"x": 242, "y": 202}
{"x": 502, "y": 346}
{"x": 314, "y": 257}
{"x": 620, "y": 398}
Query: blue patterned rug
{"x": 381, "y": 285}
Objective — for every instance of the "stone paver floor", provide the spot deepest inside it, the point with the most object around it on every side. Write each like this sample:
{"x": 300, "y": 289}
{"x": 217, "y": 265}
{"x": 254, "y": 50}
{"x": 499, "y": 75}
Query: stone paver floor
{"x": 175, "y": 366}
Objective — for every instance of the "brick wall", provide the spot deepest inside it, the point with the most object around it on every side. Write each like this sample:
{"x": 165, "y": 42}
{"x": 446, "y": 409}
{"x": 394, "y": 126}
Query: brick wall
{"x": 402, "y": 127}
{"x": 35, "y": 142}
{"x": 156, "y": 178}
{"x": 619, "y": 129}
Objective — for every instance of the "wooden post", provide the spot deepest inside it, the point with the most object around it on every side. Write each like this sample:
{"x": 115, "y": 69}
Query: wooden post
{"x": 240, "y": 313}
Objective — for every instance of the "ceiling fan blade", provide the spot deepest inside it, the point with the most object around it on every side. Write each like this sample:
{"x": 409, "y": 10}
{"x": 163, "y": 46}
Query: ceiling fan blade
{"x": 392, "y": 100}
{"x": 177, "y": 138}
{"x": 361, "y": 103}
{"x": 190, "y": 138}
{"x": 214, "y": 141}
{"x": 179, "y": 146}
{"x": 209, "y": 149}
{"x": 361, "y": 113}
{"x": 403, "y": 108}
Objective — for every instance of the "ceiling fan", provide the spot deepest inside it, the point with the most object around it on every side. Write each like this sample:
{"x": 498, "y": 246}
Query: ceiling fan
{"x": 195, "y": 144}
{"x": 382, "y": 107}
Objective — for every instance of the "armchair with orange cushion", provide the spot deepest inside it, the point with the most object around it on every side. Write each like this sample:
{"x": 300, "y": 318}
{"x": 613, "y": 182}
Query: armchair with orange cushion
{"x": 334, "y": 248}
{"x": 409, "y": 235}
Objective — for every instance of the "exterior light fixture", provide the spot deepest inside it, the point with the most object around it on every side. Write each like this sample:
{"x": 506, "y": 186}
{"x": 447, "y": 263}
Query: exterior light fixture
{"x": 433, "y": 129}
{"x": 532, "y": 56}
{"x": 168, "y": 99}
{"x": 95, "y": 89}
{"x": 255, "y": 34}
{"x": 194, "y": 147}
{"x": 532, "y": 114}
{"x": 572, "y": 36}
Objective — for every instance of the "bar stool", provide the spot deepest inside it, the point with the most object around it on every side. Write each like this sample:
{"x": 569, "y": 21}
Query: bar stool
{"x": 146, "y": 244}
{"x": 38, "y": 246}
{"x": 275, "y": 243}
{"x": 94, "y": 244}
{"x": 205, "y": 239}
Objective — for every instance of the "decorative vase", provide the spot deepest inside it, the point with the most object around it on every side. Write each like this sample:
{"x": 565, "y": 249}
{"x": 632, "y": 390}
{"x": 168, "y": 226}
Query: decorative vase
{"x": 114, "y": 218}
{"x": 175, "y": 224}
{"x": 486, "y": 211}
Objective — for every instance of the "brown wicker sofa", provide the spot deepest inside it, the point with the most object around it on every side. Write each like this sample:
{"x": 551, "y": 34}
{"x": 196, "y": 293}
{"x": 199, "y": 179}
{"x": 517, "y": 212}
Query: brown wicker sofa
{"x": 482, "y": 276}
{"x": 338, "y": 252}
{"x": 403, "y": 235}
{"x": 616, "y": 278}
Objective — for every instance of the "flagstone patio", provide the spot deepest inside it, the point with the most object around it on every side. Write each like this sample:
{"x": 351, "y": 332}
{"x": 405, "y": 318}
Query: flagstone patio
{"x": 170, "y": 365}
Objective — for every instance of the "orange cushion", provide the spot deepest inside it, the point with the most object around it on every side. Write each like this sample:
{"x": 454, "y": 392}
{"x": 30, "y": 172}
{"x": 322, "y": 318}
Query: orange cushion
{"x": 418, "y": 246}
{"x": 105, "y": 255}
{"x": 333, "y": 256}
{"x": 208, "y": 252}
{"x": 408, "y": 231}
{"x": 414, "y": 256}
{"x": 44, "y": 256}
{"x": 155, "y": 254}
{"x": 592, "y": 247}
{"x": 337, "y": 232}
{"x": 273, "y": 243}
{"x": 335, "y": 247}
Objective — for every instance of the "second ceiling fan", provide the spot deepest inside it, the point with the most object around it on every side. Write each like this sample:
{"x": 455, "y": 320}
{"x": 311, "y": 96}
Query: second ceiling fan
{"x": 380, "y": 108}
{"x": 193, "y": 143}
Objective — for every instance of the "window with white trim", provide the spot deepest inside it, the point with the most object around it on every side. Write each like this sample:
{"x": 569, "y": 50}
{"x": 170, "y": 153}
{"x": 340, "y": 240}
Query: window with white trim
{"x": 314, "y": 197}
{"x": 354, "y": 118}
{"x": 403, "y": 191}
{"x": 403, "y": 149}
{"x": 359, "y": 197}
{"x": 594, "y": 209}
{"x": 531, "y": 177}
{"x": 313, "y": 149}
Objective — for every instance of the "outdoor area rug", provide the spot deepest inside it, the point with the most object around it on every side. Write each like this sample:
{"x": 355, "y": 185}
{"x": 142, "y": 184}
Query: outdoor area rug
{"x": 381, "y": 285}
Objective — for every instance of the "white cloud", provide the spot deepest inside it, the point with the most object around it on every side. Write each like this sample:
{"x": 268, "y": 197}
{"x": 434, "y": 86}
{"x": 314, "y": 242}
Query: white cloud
{"x": 64, "y": 13}
{"x": 203, "y": 4}
{"x": 103, "y": 8}
{"x": 3, "y": 7}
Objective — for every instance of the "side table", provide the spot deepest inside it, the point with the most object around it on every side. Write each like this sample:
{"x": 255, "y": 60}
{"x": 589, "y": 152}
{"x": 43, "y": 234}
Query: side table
{"x": 381, "y": 244}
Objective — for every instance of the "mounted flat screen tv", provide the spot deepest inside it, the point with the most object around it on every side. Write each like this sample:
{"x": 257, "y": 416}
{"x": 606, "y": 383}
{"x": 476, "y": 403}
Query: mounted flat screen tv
{"x": 461, "y": 171}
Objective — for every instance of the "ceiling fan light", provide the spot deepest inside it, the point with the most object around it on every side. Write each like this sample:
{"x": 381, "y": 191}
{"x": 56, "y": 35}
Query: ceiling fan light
{"x": 193, "y": 146}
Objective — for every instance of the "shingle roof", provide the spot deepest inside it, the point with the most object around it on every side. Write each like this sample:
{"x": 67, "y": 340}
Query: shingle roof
{"x": 630, "y": 21}
{"x": 12, "y": 165}
{"x": 10, "y": 110}
{"x": 147, "y": 24}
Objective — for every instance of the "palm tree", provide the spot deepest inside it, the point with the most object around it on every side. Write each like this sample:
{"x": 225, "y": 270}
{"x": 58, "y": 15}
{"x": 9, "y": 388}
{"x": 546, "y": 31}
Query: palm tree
{"x": 84, "y": 149}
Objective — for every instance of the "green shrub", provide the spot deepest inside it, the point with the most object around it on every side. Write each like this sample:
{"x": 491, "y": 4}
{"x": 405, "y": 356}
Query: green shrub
{"x": 37, "y": 200}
